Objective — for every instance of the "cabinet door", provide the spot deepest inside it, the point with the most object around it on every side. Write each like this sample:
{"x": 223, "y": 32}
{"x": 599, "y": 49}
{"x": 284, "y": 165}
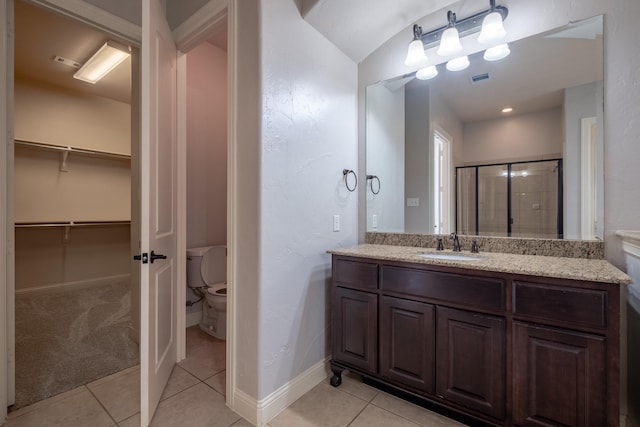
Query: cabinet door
{"x": 559, "y": 377}
{"x": 471, "y": 360}
{"x": 355, "y": 328}
{"x": 407, "y": 336}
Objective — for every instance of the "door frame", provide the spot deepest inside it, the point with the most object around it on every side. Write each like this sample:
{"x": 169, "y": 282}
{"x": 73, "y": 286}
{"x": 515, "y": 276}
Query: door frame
{"x": 7, "y": 282}
{"x": 187, "y": 35}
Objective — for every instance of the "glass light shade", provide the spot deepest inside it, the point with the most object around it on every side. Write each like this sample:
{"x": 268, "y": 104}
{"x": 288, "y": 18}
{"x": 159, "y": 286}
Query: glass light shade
{"x": 497, "y": 53}
{"x": 415, "y": 54}
{"x": 450, "y": 42}
{"x": 427, "y": 73}
{"x": 492, "y": 29}
{"x": 458, "y": 64}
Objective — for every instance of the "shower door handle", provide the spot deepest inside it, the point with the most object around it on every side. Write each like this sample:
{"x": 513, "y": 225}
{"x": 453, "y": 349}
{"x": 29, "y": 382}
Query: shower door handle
{"x": 155, "y": 256}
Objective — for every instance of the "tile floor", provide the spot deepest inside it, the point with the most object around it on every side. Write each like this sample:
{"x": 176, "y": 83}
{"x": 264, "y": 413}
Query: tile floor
{"x": 194, "y": 396}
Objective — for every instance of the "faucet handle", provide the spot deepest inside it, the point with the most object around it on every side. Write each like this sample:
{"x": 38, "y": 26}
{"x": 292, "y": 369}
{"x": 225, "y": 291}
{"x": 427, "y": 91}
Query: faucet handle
{"x": 440, "y": 245}
{"x": 474, "y": 247}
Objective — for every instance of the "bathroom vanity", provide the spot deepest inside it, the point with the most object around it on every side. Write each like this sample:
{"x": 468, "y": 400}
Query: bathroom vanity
{"x": 503, "y": 340}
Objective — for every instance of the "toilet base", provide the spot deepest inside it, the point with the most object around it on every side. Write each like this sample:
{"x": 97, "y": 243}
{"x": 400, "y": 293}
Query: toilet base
{"x": 213, "y": 322}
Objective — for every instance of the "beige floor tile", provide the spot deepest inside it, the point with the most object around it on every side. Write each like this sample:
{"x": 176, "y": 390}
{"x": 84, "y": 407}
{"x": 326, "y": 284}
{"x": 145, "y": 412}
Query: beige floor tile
{"x": 415, "y": 413}
{"x": 206, "y": 355}
{"x": 119, "y": 393}
{"x": 79, "y": 409}
{"x": 324, "y": 405}
{"x": 198, "y": 406}
{"x": 372, "y": 416}
{"x": 52, "y": 400}
{"x": 179, "y": 380}
{"x": 133, "y": 421}
{"x": 242, "y": 423}
{"x": 218, "y": 382}
{"x": 352, "y": 384}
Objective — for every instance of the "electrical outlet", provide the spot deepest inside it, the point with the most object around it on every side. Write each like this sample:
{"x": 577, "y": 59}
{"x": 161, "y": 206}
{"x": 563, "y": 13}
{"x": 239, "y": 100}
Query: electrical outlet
{"x": 374, "y": 221}
{"x": 336, "y": 223}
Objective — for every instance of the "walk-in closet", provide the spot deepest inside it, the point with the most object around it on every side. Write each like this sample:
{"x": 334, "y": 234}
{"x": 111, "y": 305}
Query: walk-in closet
{"x": 72, "y": 210}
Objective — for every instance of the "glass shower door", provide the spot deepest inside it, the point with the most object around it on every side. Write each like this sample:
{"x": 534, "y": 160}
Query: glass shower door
{"x": 520, "y": 199}
{"x": 492, "y": 196}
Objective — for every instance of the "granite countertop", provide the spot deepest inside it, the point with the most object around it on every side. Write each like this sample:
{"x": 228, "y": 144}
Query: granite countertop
{"x": 596, "y": 270}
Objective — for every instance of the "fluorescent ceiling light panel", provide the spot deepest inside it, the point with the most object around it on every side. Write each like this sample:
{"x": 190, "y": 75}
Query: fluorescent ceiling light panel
{"x": 108, "y": 57}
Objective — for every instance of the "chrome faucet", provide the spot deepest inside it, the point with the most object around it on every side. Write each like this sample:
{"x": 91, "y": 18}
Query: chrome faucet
{"x": 440, "y": 245}
{"x": 456, "y": 242}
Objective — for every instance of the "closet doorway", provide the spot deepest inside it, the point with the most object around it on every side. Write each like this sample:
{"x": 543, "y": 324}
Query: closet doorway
{"x": 72, "y": 209}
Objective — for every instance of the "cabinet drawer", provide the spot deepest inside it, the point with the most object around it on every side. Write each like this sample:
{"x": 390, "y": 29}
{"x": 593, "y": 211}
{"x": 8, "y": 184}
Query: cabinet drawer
{"x": 355, "y": 274}
{"x": 575, "y": 306}
{"x": 477, "y": 292}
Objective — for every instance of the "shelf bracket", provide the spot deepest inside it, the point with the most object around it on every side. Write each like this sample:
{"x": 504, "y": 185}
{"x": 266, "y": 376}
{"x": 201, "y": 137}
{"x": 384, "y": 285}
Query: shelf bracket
{"x": 63, "y": 160}
{"x": 67, "y": 229}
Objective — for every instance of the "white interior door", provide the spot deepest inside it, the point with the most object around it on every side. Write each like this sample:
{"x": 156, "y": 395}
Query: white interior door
{"x": 158, "y": 281}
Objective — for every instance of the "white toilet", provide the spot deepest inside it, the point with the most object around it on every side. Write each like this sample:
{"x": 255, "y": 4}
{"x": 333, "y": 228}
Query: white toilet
{"x": 206, "y": 275}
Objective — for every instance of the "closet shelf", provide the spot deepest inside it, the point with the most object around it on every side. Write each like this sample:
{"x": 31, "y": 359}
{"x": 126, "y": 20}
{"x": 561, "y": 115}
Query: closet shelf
{"x": 62, "y": 149}
{"x": 25, "y": 224}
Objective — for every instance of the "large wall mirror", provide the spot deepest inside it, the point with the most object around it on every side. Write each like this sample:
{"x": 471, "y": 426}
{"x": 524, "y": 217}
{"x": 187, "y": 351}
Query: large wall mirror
{"x": 442, "y": 156}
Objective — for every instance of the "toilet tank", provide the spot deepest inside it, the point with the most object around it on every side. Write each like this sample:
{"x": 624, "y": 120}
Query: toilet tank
{"x": 206, "y": 265}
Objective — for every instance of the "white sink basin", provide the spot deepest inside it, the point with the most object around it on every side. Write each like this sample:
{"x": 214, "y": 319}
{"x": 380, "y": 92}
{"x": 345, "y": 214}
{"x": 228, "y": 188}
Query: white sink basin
{"x": 451, "y": 256}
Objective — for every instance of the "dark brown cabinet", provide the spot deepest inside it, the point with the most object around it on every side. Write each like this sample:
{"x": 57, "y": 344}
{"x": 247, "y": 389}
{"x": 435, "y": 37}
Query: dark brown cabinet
{"x": 499, "y": 349}
{"x": 355, "y": 340}
{"x": 471, "y": 360}
{"x": 559, "y": 377}
{"x": 408, "y": 343}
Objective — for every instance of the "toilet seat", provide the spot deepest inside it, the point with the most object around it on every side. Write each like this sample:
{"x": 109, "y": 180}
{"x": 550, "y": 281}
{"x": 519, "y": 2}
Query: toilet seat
{"x": 218, "y": 289}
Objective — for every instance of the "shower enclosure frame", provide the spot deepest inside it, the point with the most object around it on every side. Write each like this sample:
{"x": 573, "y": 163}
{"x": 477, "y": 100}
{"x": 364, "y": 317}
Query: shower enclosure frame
{"x": 509, "y": 165}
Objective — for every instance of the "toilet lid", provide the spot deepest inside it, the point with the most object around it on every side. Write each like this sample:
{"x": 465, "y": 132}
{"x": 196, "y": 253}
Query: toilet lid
{"x": 218, "y": 289}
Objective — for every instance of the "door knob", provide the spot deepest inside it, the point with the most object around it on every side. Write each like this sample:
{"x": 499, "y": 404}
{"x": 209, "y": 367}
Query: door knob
{"x": 142, "y": 257}
{"x": 155, "y": 256}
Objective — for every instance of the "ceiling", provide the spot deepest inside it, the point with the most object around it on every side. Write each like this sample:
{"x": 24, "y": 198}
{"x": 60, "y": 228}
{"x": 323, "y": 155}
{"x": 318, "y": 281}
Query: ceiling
{"x": 41, "y": 35}
{"x": 358, "y": 27}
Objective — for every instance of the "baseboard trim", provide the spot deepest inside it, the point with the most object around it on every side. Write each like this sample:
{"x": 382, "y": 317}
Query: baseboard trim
{"x": 193, "y": 319}
{"x": 78, "y": 284}
{"x": 261, "y": 412}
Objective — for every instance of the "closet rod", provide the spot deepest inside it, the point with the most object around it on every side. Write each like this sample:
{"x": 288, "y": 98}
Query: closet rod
{"x": 72, "y": 150}
{"x": 69, "y": 224}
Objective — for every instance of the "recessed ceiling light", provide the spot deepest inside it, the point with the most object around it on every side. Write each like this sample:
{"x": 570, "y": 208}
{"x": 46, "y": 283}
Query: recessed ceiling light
{"x": 507, "y": 110}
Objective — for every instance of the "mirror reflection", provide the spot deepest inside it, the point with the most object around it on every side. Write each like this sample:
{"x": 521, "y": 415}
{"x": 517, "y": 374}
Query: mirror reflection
{"x": 506, "y": 148}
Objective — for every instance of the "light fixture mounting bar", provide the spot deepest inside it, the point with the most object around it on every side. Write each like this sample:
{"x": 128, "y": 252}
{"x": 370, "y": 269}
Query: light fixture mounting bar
{"x": 465, "y": 26}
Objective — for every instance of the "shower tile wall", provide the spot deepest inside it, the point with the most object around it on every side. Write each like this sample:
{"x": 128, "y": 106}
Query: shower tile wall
{"x": 534, "y": 192}
{"x": 534, "y": 200}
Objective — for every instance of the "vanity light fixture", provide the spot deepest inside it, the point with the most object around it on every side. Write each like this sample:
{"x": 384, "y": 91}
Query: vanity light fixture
{"x": 415, "y": 53}
{"x": 507, "y": 110}
{"x": 108, "y": 57}
{"x": 497, "y": 53}
{"x": 492, "y": 26}
{"x": 448, "y": 40}
{"x": 427, "y": 73}
{"x": 458, "y": 64}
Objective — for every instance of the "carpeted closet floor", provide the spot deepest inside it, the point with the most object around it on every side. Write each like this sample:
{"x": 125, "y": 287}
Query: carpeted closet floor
{"x": 65, "y": 339}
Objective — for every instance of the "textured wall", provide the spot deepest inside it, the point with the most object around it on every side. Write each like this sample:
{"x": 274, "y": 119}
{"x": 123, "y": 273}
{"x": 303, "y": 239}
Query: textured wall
{"x": 308, "y": 138}
{"x": 206, "y": 150}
